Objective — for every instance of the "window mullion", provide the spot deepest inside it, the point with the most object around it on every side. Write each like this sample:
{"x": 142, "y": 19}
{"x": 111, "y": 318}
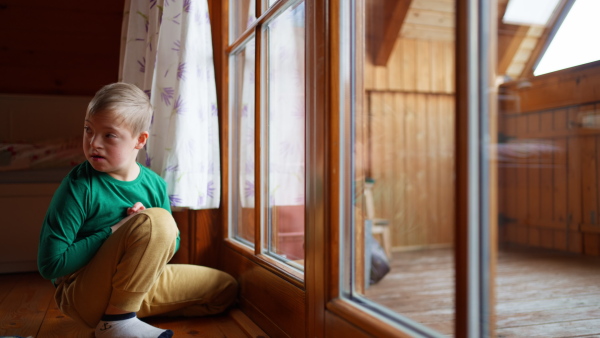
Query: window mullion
{"x": 258, "y": 191}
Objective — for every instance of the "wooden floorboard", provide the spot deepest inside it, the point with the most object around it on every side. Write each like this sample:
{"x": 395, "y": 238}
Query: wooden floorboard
{"x": 540, "y": 293}
{"x": 27, "y": 308}
{"x": 24, "y": 307}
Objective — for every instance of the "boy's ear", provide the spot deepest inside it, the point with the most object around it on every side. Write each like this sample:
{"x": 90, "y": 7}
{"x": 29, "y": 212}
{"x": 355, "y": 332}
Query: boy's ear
{"x": 142, "y": 138}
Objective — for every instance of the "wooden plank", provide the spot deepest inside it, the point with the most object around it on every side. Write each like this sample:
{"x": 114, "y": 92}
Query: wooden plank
{"x": 423, "y": 54}
{"x": 589, "y": 181}
{"x": 411, "y": 204}
{"x": 249, "y": 327}
{"x": 591, "y": 244}
{"x": 399, "y": 168}
{"x": 423, "y": 32}
{"x": 555, "y": 90}
{"x": 339, "y": 327}
{"x": 380, "y": 77}
{"x": 386, "y": 184}
{"x": 421, "y": 178}
{"x": 563, "y": 329}
{"x": 409, "y": 65}
{"x": 533, "y": 181}
{"x": 428, "y": 17}
{"x": 450, "y": 67}
{"x": 214, "y": 326}
{"x": 433, "y": 164}
{"x": 285, "y": 310}
{"x": 521, "y": 191}
{"x": 547, "y": 317}
{"x": 533, "y": 236}
{"x": 22, "y": 310}
{"x": 438, "y": 70}
{"x": 574, "y": 193}
{"x": 369, "y": 76}
{"x": 434, "y": 5}
{"x": 447, "y": 167}
{"x": 7, "y": 283}
{"x": 597, "y": 185}
{"x": 394, "y": 67}
{"x": 559, "y": 209}
{"x": 207, "y": 237}
{"x": 377, "y": 141}
{"x": 509, "y": 188}
{"x": 56, "y": 324}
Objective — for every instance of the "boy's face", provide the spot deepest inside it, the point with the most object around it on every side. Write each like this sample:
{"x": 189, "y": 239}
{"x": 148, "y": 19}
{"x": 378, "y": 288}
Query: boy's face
{"x": 110, "y": 147}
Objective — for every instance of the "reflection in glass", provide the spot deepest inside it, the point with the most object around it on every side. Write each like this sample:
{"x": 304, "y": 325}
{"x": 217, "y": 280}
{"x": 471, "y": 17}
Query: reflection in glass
{"x": 242, "y": 71}
{"x": 402, "y": 168}
{"x": 242, "y": 15}
{"x": 286, "y": 140}
{"x": 546, "y": 151}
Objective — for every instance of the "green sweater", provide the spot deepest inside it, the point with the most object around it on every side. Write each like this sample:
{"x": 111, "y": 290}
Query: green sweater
{"x": 84, "y": 207}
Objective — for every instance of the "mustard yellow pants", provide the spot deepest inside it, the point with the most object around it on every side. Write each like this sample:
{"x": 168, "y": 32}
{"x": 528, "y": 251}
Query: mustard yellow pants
{"x": 130, "y": 271}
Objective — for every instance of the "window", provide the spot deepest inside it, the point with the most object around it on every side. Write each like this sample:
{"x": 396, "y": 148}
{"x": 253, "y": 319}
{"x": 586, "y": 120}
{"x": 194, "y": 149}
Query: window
{"x": 267, "y": 131}
{"x": 398, "y": 152}
{"x": 573, "y": 44}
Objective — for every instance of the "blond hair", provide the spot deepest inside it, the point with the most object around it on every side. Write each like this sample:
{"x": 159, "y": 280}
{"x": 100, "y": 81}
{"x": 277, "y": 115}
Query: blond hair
{"x": 125, "y": 100}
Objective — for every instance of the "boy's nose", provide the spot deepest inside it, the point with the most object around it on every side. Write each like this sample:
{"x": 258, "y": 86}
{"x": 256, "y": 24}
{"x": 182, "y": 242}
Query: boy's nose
{"x": 95, "y": 142}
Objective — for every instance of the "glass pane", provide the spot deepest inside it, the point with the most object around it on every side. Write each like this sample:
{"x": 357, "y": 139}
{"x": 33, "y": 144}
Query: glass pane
{"x": 242, "y": 15}
{"x": 242, "y": 82}
{"x": 401, "y": 122}
{"x": 545, "y": 143}
{"x": 572, "y": 44}
{"x": 286, "y": 136}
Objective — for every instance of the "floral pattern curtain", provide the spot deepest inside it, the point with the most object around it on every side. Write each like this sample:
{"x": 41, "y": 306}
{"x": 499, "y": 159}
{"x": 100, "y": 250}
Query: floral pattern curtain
{"x": 286, "y": 119}
{"x": 167, "y": 52}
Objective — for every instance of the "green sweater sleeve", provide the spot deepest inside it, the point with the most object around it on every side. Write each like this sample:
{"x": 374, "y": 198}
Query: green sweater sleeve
{"x": 60, "y": 252}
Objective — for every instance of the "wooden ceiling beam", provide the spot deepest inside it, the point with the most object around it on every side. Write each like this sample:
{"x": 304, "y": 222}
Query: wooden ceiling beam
{"x": 384, "y": 22}
{"x": 555, "y": 20}
{"x": 508, "y": 53}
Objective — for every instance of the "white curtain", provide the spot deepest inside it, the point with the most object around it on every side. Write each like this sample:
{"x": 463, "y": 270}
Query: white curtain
{"x": 167, "y": 52}
{"x": 286, "y": 122}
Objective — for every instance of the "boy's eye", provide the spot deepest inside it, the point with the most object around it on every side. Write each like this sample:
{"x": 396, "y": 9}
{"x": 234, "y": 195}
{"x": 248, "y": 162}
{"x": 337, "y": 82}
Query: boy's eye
{"x": 111, "y": 135}
{"x": 86, "y": 129}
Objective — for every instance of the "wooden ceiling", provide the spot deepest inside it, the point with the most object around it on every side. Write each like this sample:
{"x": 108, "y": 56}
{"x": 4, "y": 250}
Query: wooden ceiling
{"x": 518, "y": 46}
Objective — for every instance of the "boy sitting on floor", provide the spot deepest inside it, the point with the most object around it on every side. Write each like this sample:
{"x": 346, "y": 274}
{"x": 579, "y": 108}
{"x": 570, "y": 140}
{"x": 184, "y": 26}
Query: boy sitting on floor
{"x": 109, "y": 234}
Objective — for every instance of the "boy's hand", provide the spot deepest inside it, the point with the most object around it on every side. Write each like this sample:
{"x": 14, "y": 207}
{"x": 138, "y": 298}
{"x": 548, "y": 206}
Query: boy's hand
{"x": 130, "y": 212}
{"x": 136, "y": 208}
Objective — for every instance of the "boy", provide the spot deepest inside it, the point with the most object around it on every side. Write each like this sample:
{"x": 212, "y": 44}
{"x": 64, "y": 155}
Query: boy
{"x": 108, "y": 233}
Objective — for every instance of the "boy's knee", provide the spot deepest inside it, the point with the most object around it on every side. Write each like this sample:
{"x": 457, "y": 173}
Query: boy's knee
{"x": 160, "y": 222}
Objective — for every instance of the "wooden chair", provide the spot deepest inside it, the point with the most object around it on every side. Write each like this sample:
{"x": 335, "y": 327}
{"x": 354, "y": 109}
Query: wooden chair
{"x": 380, "y": 227}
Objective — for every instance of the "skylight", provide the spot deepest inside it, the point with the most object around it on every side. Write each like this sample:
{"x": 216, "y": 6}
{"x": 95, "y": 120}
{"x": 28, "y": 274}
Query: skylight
{"x": 529, "y": 12}
{"x": 575, "y": 41}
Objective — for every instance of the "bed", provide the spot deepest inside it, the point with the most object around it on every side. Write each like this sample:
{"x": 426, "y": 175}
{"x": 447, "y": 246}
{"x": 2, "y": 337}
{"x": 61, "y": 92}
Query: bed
{"x": 40, "y": 142}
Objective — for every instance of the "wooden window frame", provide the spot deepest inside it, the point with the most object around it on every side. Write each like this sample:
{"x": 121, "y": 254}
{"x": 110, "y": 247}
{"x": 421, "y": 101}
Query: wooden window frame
{"x": 256, "y": 31}
{"x": 324, "y": 312}
{"x": 474, "y": 235}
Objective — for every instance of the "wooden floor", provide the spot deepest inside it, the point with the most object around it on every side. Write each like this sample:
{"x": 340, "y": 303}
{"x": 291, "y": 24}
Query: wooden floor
{"x": 539, "y": 293}
{"x": 27, "y": 308}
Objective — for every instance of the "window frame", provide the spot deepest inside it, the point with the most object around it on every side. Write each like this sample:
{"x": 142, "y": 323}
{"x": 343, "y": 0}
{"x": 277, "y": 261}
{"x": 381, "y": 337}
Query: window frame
{"x": 257, "y": 254}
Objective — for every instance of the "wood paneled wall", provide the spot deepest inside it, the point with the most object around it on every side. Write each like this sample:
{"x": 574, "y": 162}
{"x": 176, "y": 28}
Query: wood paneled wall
{"x": 549, "y": 162}
{"x": 410, "y": 141}
{"x": 549, "y": 187}
{"x": 59, "y": 47}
